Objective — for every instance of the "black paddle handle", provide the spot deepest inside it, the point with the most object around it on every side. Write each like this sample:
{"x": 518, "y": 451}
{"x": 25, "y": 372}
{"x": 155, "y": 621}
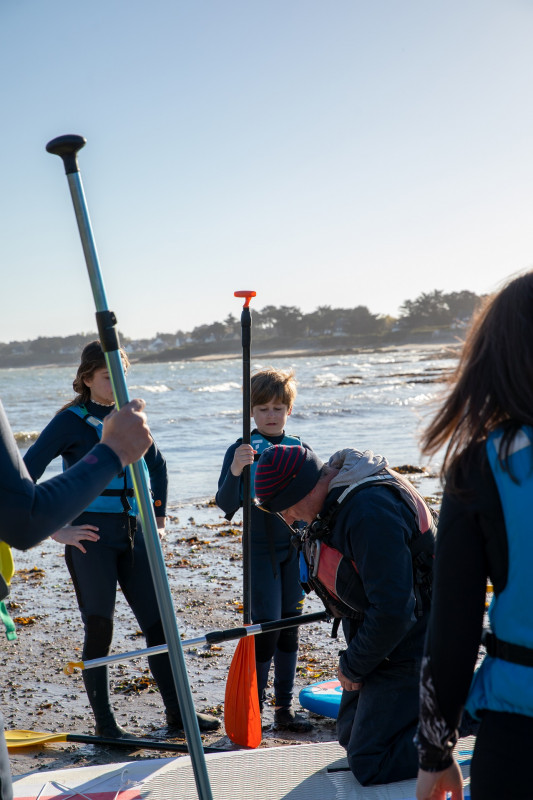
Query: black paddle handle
{"x": 276, "y": 625}
{"x": 132, "y": 744}
{"x": 67, "y": 148}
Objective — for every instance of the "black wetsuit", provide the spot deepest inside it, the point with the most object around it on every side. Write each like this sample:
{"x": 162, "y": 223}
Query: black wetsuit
{"x": 471, "y": 547}
{"x": 30, "y": 513}
{"x": 119, "y": 556}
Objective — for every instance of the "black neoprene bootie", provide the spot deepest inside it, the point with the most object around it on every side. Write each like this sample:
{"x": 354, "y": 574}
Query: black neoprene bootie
{"x": 97, "y": 687}
{"x": 285, "y": 719}
{"x": 206, "y": 723}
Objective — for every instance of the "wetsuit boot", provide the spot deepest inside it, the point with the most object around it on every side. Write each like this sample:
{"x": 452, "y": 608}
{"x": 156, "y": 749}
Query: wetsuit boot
{"x": 162, "y": 672}
{"x": 97, "y": 687}
{"x": 262, "y": 669}
{"x": 285, "y": 718}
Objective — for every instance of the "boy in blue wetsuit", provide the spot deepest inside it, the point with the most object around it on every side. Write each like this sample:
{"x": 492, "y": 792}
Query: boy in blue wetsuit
{"x": 275, "y": 588}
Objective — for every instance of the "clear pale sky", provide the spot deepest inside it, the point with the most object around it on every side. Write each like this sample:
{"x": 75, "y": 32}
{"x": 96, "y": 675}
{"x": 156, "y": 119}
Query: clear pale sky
{"x": 321, "y": 152}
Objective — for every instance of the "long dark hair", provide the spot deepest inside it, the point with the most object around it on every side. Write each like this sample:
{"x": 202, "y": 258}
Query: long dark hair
{"x": 92, "y": 358}
{"x": 493, "y": 383}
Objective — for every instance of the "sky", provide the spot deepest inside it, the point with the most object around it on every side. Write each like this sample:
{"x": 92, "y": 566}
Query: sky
{"x": 319, "y": 152}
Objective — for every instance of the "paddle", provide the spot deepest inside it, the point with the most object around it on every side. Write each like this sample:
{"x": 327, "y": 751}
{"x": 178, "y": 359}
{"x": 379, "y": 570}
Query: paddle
{"x": 16, "y": 740}
{"x": 242, "y": 717}
{"x": 67, "y": 147}
{"x": 208, "y": 638}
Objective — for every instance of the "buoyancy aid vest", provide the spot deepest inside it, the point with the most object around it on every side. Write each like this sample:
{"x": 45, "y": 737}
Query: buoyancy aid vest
{"x": 119, "y": 496}
{"x": 500, "y": 684}
{"x": 260, "y": 443}
{"x": 335, "y": 578}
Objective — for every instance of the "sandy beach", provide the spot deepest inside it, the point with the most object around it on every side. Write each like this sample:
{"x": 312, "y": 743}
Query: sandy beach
{"x": 203, "y": 557}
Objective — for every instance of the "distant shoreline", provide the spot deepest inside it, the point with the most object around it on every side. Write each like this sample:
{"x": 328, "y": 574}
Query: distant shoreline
{"x": 291, "y": 353}
{"x": 264, "y": 350}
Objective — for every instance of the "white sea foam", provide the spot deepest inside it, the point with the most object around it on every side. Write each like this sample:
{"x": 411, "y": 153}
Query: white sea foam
{"x": 159, "y": 388}
{"x": 220, "y": 387}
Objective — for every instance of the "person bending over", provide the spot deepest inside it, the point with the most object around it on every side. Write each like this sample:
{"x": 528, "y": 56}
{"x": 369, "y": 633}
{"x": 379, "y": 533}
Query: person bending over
{"x": 381, "y": 533}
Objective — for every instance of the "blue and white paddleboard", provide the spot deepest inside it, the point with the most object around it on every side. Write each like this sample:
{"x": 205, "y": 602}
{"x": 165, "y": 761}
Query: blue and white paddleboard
{"x": 299, "y": 772}
{"x": 322, "y": 698}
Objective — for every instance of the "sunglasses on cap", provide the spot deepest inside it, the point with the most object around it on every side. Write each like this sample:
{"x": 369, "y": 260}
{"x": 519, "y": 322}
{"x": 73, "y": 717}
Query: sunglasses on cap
{"x": 278, "y": 514}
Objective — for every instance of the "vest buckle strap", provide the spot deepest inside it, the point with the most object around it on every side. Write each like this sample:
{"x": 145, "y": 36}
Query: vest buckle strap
{"x": 507, "y": 651}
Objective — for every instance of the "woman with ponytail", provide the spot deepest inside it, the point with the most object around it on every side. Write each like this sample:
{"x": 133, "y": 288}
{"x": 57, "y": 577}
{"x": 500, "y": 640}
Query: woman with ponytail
{"x": 104, "y": 545}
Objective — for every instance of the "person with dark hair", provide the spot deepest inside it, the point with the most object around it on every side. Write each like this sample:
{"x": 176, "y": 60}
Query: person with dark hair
{"x": 30, "y": 513}
{"x": 105, "y": 546}
{"x": 371, "y": 539}
{"x": 484, "y": 532}
{"x": 276, "y": 592}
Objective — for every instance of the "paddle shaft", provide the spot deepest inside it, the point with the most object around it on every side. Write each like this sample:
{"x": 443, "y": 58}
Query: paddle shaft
{"x": 246, "y": 328}
{"x": 82, "y": 738}
{"x": 67, "y": 147}
{"x": 144, "y": 744}
{"x": 209, "y": 638}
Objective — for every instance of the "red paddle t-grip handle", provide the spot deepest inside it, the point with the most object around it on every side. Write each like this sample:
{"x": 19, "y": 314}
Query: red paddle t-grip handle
{"x": 247, "y": 294}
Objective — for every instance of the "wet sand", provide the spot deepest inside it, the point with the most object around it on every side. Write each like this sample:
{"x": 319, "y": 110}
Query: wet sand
{"x": 203, "y": 557}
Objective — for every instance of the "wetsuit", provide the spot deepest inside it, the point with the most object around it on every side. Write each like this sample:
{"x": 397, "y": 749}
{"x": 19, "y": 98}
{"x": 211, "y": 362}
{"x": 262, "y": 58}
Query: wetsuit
{"x": 275, "y": 588}
{"x": 30, "y": 513}
{"x": 119, "y": 556}
{"x": 472, "y": 547}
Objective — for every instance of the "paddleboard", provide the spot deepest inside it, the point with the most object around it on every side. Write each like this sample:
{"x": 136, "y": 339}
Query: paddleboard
{"x": 322, "y": 698}
{"x": 121, "y": 781}
{"x": 317, "y": 771}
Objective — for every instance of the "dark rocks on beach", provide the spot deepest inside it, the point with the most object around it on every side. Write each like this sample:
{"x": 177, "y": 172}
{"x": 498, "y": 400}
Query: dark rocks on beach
{"x": 409, "y": 469}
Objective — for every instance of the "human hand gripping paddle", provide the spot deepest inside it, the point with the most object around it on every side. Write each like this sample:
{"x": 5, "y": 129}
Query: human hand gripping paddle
{"x": 67, "y": 147}
{"x": 242, "y": 717}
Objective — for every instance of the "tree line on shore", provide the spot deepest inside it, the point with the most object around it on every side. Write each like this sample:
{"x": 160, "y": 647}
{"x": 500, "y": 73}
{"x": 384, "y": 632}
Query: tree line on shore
{"x": 428, "y": 311}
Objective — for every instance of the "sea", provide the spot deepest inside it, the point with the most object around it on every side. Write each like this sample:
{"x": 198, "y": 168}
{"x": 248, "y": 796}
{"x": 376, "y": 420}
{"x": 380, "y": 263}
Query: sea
{"x": 371, "y": 400}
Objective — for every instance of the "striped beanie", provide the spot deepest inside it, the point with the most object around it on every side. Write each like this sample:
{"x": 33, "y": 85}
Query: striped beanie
{"x": 285, "y": 474}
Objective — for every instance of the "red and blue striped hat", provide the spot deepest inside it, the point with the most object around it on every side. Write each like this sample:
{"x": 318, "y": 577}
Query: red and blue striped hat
{"x": 285, "y": 474}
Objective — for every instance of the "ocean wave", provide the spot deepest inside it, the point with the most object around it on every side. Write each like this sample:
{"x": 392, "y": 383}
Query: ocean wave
{"x": 228, "y": 386}
{"x": 158, "y": 388}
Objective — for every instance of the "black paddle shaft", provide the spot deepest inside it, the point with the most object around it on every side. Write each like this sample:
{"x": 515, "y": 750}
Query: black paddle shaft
{"x": 246, "y": 328}
{"x": 134, "y": 744}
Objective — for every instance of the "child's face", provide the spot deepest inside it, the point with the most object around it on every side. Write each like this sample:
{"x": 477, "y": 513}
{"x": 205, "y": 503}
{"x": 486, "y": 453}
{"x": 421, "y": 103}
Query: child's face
{"x": 270, "y": 418}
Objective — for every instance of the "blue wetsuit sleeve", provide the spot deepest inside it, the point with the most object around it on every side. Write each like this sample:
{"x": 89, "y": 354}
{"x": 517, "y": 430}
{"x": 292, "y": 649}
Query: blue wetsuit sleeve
{"x": 157, "y": 468}
{"x": 228, "y": 497}
{"x": 30, "y": 513}
{"x": 378, "y": 528}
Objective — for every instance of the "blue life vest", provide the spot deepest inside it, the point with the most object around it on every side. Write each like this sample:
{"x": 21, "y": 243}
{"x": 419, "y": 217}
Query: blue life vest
{"x": 119, "y": 496}
{"x": 260, "y": 443}
{"x": 499, "y": 684}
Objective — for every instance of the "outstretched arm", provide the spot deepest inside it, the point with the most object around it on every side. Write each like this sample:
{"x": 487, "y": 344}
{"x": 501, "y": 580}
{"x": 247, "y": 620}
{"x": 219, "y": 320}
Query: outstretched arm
{"x": 30, "y": 513}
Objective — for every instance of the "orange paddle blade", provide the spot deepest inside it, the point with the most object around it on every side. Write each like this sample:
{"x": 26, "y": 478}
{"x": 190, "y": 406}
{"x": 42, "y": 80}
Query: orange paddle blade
{"x": 242, "y": 718}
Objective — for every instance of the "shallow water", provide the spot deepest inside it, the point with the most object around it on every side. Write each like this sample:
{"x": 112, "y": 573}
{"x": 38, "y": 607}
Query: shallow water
{"x": 372, "y": 400}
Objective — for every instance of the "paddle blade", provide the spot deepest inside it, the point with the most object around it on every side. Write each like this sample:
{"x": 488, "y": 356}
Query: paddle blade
{"x": 242, "y": 718}
{"x": 16, "y": 739}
